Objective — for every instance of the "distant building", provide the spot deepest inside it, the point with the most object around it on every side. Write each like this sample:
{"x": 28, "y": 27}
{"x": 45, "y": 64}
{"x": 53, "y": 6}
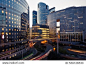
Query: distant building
{"x": 41, "y": 31}
{"x": 52, "y": 10}
{"x": 34, "y": 17}
{"x": 71, "y": 19}
{"x": 43, "y": 11}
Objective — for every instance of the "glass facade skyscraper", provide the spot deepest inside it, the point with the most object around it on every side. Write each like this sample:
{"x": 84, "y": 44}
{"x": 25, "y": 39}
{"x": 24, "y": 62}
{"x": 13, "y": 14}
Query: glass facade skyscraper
{"x": 71, "y": 19}
{"x": 10, "y": 19}
{"x": 34, "y": 17}
{"x": 43, "y": 11}
{"x": 14, "y": 29}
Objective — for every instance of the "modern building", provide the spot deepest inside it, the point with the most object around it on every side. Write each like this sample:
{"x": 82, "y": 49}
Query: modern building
{"x": 11, "y": 12}
{"x": 40, "y": 31}
{"x": 52, "y": 10}
{"x": 34, "y": 17}
{"x": 71, "y": 20}
{"x": 14, "y": 18}
{"x": 43, "y": 11}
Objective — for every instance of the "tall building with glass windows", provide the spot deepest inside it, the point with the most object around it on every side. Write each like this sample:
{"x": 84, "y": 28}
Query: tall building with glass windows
{"x": 34, "y": 17}
{"x": 71, "y": 19}
{"x": 10, "y": 19}
{"x": 43, "y": 11}
{"x": 14, "y": 29}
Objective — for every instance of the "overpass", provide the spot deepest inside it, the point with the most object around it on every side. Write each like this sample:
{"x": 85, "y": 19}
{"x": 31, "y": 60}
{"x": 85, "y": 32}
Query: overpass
{"x": 41, "y": 39}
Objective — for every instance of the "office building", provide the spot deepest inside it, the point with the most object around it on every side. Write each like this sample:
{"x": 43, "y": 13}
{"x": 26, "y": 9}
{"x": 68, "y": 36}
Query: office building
{"x": 40, "y": 31}
{"x": 12, "y": 11}
{"x": 34, "y": 17}
{"x": 14, "y": 18}
{"x": 71, "y": 20}
{"x": 43, "y": 11}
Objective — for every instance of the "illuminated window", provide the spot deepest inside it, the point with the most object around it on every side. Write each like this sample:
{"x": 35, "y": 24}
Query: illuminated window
{"x": 12, "y": 14}
{"x": 9, "y": 17}
{"x": 3, "y": 50}
{"x": 10, "y": 57}
{"x": 2, "y": 33}
{"x": 9, "y": 1}
{"x": 12, "y": 18}
{"x": 9, "y": 25}
{"x": 10, "y": 49}
{"x": 6, "y": 16}
{"x": 15, "y": 54}
{"x": 12, "y": 21}
{"x": 9, "y": 29}
{"x": 2, "y": 28}
{"x": 6, "y": 12}
{"x": 6, "y": 29}
{"x": 6, "y": 49}
{"x": 12, "y": 25}
{"x": 14, "y": 29}
{"x": 9, "y": 33}
{"x": 9, "y": 21}
{"x": 2, "y": 11}
{"x": 9, "y": 5}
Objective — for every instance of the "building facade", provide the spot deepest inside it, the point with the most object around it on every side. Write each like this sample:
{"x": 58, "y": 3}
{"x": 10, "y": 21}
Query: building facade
{"x": 43, "y": 11}
{"x": 71, "y": 19}
{"x": 34, "y": 17}
{"x": 40, "y": 31}
{"x": 11, "y": 11}
{"x": 14, "y": 18}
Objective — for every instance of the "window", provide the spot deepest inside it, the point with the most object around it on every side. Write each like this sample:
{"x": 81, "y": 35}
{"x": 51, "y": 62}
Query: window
{"x": 9, "y": 17}
{"x": 2, "y": 11}
{"x": 9, "y": 33}
{"x": 9, "y": 25}
{"x": 10, "y": 57}
{"x": 6, "y": 12}
{"x": 9, "y": 29}
{"x": 2, "y": 28}
{"x": 12, "y": 21}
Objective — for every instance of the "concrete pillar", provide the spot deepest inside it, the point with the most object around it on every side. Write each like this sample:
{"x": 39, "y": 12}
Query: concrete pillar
{"x": 58, "y": 45}
{"x": 70, "y": 37}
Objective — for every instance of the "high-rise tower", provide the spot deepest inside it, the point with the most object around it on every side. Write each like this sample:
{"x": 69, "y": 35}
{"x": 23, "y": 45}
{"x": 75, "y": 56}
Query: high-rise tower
{"x": 43, "y": 11}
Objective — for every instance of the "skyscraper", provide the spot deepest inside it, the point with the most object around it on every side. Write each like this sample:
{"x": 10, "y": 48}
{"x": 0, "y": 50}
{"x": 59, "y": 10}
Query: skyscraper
{"x": 43, "y": 11}
{"x": 34, "y": 17}
{"x": 10, "y": 19}
{"x": 14, "y": 19}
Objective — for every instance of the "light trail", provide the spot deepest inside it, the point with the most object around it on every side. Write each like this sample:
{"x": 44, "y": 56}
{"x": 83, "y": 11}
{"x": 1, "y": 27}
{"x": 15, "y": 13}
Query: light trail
{"x": 78, "y": 51}
{"x": 27, "y": 56}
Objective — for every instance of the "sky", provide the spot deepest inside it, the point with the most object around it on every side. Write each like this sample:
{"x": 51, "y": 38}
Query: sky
{"x": 58, "y": 4}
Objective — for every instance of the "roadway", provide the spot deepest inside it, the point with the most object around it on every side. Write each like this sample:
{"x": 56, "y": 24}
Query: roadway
{"x": 33, "y": 52}
{"x": 49, "y": 48}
